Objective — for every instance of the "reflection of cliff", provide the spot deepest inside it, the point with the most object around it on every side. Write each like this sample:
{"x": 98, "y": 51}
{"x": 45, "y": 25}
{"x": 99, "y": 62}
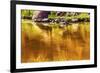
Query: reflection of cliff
{"x": 60, "y": 44}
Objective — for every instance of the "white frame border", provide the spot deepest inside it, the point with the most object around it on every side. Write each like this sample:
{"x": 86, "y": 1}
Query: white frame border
{"x": 20, "y": 65}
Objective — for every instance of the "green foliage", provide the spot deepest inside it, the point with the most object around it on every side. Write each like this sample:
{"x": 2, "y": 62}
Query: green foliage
{"x": 53, "y": 14}
{"x": 27, "y": 12}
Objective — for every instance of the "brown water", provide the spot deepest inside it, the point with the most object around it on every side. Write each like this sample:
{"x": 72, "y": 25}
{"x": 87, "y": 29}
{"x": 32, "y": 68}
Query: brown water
{"x": 71, "y": 42}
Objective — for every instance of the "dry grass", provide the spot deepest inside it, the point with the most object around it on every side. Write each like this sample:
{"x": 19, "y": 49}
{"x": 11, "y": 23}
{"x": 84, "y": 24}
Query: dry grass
{"x": 69, "y": 43}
